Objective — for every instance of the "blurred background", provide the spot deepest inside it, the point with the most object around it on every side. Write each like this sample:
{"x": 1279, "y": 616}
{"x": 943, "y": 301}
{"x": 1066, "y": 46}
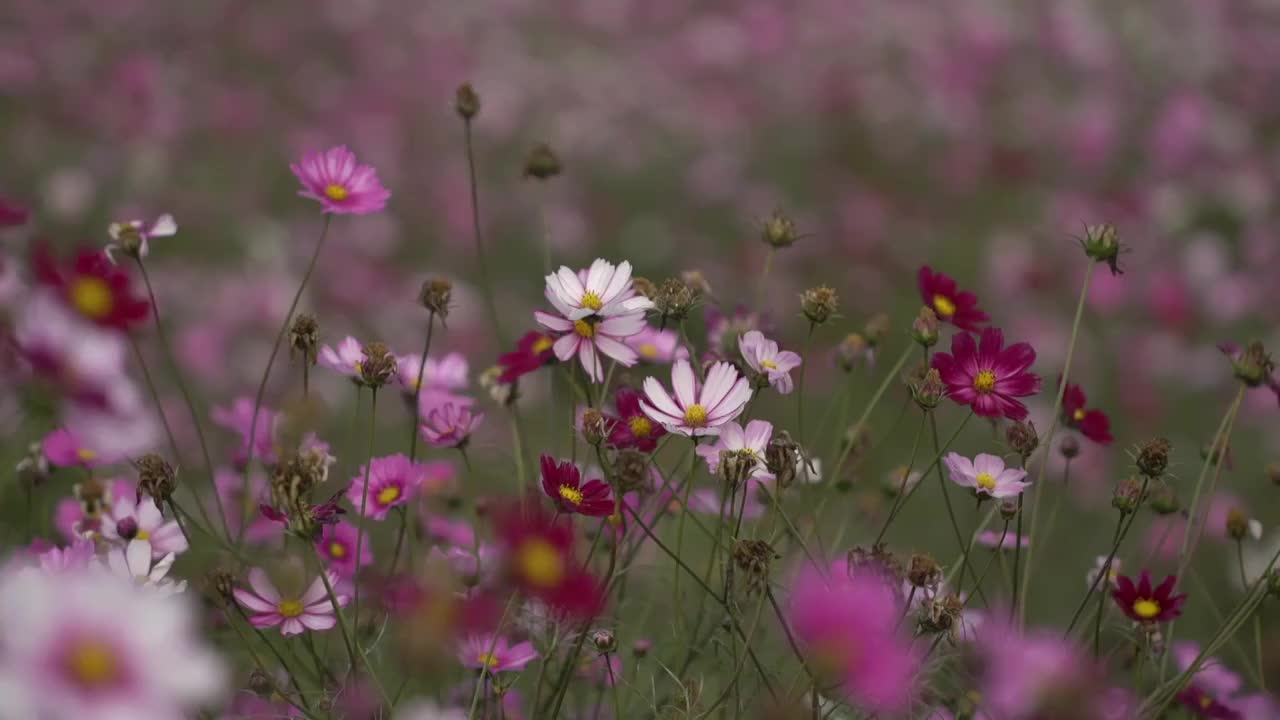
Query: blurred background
{"x": 976, "y": 136}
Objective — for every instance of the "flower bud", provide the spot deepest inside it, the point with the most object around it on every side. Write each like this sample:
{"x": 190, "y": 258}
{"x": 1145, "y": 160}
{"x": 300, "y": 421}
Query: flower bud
{"x": 929, "y": 391}
{"x": 877, "y": 328}
{"x": 1237, "y": 524}
{"x": 542, "y": 163}
{"x": 1153, "y": 457}
{"x": 753, "y": 558}
{"x": 923, "y": 571}
{"x": 1164, "y": 500}
{"x": 127, "y": 528}
{"x": 222, "y": 584}
{"x": 924, "y": 329}
{"x": 779, "y": 231}
{"x": 378, "y": 366}
{"x": 631, "y": 468}
{"x": 156, "y": 479}
{"x": 674, "y": 299}
{"x": 853, "y": 351}
{"x": 641, "y": 647}
{"x": 260, "y": 683}
{"x": 1008, "y": 509}
{"x": 304, "y": 338}
{"x": 594, "y": 427}
{"x": 1273, "y": 472}
{"x": 1102, "y": 244}
{"x": 1128, "y": 495}
{"x": 781, "y": 457}
{"x": 1022, "y": 437}
{"x": 1069, "y": 447}
{"x": 604, "y": 641}
{"x": 819, "y": 304}
{"x": 436, "y": 295}
{"x": 1253, "y": 365}
{"x": 467, "y": 102}
{"x": 736, "y": 466}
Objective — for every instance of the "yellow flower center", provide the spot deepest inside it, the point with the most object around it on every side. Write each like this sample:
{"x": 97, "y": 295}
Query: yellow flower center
{"x": 542, "y": 344}
{"x": 488, "y": 660}
{"x": 86, "y": 455}
{"x": 584, "y": 328}
{"x": 93, "y": 664}
{"x": 648, "y": 350}
{"x": 388, "y": 495}
{"x": 986, "y": 481}
{"x": 591, "y": 301}
{"x": 1205, "y": 701}
{"x": 336, "y": 192}
{"x": 615, "y": 519}
{"x": 142, "y": 535}
{"x": 1078, "y": 415}
{"x": 1146, "y": 609}
{"x": 289, "y": 608}
{"x": 92, "y": 297}
{"x": 640, "y": 426}
{"x": 695, "y": 416}
{"x": 944, "y": 306}
{"x": 337, "y": 550}
{"x": 768, "y": 364}
{"x": 571, "y": 494}
{"x": 540, "y": 563}
{"x": 985, "y": 382}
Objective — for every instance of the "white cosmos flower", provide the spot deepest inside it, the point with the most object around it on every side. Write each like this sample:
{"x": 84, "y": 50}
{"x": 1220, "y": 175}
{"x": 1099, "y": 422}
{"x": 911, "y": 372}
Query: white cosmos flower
{"x": 598, "y": 309}
{"x": 133, "y": 561}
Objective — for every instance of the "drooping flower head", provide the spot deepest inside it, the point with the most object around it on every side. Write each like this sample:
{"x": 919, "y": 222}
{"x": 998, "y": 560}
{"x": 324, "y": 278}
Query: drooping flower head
{"x": 339, "y": 183}
{"x": 533, "y": 351}
{"x": 697, "y": 411}
{"x": 345, "y": 358}
{"x": 770, "y": 363}
{"x": 495, "y": 654}
{"x": 750, "y": 441}
{"x": 393, "y": 481}
{"x": 538, "y": 557}
{"x": 268, "y": 607}
{"x": 89, "y": 284}
{"x": 598, "y": 309}
{"x": 451, "y": 425}
{"x": 951, "y": 304}
{"x": 631, "y": 428}
{"x": 1146, "y": 604}
{"x": 133, "y": 237}
{"x": 562, "y": 482}
{"x": 988, "y": 376}
{"x": 986, "y": 475}
{"x": 338, "y": 543}
{"x": 1093, "y": 424}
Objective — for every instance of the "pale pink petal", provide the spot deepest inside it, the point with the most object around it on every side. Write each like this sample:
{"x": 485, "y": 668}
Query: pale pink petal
{"x": 566, "y": 346}
{"x": 551, "y": 322}
{"x": 318, "y": 622}
{"x": 616, "y": 350}
{"x": 683, "y": 382}
{"x": 253, "y": 602}
{"x": 261, "y": 585}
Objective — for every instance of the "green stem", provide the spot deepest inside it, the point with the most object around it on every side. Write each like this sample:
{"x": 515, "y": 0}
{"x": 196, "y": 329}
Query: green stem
{"x": 485, "y": 283}
{"x": 364, "y": 500}
{"x": 946, "y": 500}
{"x": 417, "y": 390}
{"x": 902, "y": 489}
{"x": 684, "y": 515}
{"x": 866, "y": 412}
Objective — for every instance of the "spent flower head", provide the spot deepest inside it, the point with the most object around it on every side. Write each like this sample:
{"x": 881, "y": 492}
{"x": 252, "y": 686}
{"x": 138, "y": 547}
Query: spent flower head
{"x": 819, "y": 304}
{"x": 1102, "y": 244}
{"x": 779, "y": 231}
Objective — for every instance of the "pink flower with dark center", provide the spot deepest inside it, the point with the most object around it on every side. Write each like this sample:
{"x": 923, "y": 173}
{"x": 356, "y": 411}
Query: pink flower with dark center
{"x": 988, "y": 376}
{"x": 986, "y": 475}
{"x": 563, "y": 484}
{"x": 337, "y": 543}
{"x": 312, "y": 610}
{"x": 340, "y": 183}
{"x": 599, "y": 308}
{"x": 451, "y": 425}
{"x": 697, "y": 411}
{"x": 770, "y": 363}
{"x": 393, "y": 481}
{"x": 941, "y": 295}
{"x": 495, "y": 655}
{"x": 129, "y": 519}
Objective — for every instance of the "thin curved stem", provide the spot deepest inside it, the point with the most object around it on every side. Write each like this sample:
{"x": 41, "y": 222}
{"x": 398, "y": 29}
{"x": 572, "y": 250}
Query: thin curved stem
{"x": 485, "y": 283}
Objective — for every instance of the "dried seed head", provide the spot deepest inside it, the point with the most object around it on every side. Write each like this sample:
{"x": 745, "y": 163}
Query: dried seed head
{"x": 378, "y": 366}
{"x": 260, "y": 683}
{"x": 1253, "y": 366}
{"x": 929, "y": 391}
{"x": 879, "y": 561}
{"x": 819, "y": 304}
{"x": 594, "y": 427}
{"x": 779, "y": 231}
{"x": 1237, "y": 524}
{"x": 853, "y": 351}
{"x": 1127, "y": 496}
{"x": 781, "y": 457}
{"x": 1022, "y": 437}
{"x": 92, "y": 495}
{"x": 435, "y": 296}
{"x": 1164, "y": 500}
{"x": 467, "y": 102}
{"x": 923, "y": 571}
{"x": 304, "y": 338}
{"x": 753, "y": 558}
{"x": 735, "y": 466}
{"x": 924, "y": 329}
{"x": 604, "y": 641}
{"x": 942, "y": 614}
{"x": 877, "y": 329}
{"x": 1273, "y": 472}
{"x": 674, "y": 299}
{"x": 1069, "y": 447}
{"x": 1008, "y": 509}
{"x": 505, "y": 394}
{"x": 632, "y": 470}
{"x": 222, "y": 585}
{"x": 33, "y": 468}
{"x": 1102, "y": 244}
{"x": 696, "y": 280}
{"x": 542, "y": 163}
{"x": 156, "y": 479}
{"x": 1153, "y": 457}
{"x": 644, "y": 286}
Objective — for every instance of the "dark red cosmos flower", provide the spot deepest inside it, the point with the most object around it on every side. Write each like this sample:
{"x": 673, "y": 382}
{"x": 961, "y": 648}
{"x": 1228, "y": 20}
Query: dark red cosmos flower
{"x": 533, "y": 351}
{"x": 941, "y": 295}
{"x": 538, "y": 558}
{"x": 91, "y": 286}
{"x": 632, "y": 428}
{"x": 1204, "y": 705}
{"x": 563, "y": 484}
{"x": 988, "y": 376}
{"x": 1147, "y": 605}
{"x": 1093, "y": 424}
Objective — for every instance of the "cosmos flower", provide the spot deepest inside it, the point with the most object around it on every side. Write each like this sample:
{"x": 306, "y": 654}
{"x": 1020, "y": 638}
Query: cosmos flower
{"x": 129, "y": 520}
{"x": 64, "y": 449}
{"x": 1145, "y": 604}
{"x": 986, "y": 475}
{"x": 993, "y": 540}
{"x": 1038, "y": 674}
{"x": 89, "y": 284}
{"x": 12, "y": 214}
{"x": 428, "y": 710}
{"x": 485, "y": 652}
{"x": 563, "y": 484}
{"x": 75, "y": 557}
{"x": 92, "y": 646}
{"x": 84, "y": 362}
{"x": 724, "y": 330}
{"x": 599, "y": 309}
{"x": 772, "y": 364}
{"x": 1093, "y": 424}
{"x": 339, "y": 183}
{"x": 443, "y": 380}
{"x": 1202, "y": 704}
{"x": 312, "y": 610}
{"x": 239, "y": 419}
{"x": 693, "y": 413}
{"x": 135, "y": 561}
{"x": 1211, "y": 685}
{"x": 533, "y": 351}
{"x": 656, "y": 346}
{"x": 230, "y": 488}
{"x": 345, "y": 359}
{"x": 631, "y": 428}
{"x": 450, "y": 425}
{"x": 137, "y": 234}
{"x": 393, "y": 481}
{"x": 538, "y": 557}
{"x": 846, "y": 622}
{"x": 941, "y": 294}
{"x": 988, "y": 376}
{"x": 1099, "y": 563}
{"x": 734, "y": 438}
{"x": 337, "y": 544}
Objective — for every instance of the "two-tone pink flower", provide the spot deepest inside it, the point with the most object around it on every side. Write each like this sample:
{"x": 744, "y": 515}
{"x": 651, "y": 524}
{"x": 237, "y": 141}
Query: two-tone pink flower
{"x": 386, "y": 482}
{"x": 495, "y": 654}
{"x": 268, "y": 607}
{"x": 986, "y": 475}
{"x": 769, "y": 363}
{"x": 694, "y": 410}
{"x": 598, "y": 309}
{"x": 336, "y": 180}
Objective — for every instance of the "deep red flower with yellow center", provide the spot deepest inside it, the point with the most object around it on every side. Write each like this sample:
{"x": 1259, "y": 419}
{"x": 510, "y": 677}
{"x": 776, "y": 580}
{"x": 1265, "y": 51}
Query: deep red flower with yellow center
{"x": 532, "y": 352}
{"x": 563, "y": 484}
{"x": 632, "y": 428}
{"x": 988, "y": 377}
{"x": 941, "y": 295}
{"x": 1093, "y": 424}
{"x": 92, "y": 286}
{"x": 538, "y": 558}
{"x": 1145, "y": 604}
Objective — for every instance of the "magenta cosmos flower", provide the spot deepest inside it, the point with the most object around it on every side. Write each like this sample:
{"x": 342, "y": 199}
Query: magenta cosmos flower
{"x": 393, "y": 481}
{"x": 1091, "y": 422}
{"x": 163, "y": 226}
{"x": 339, "y": 183}
{"x": 1146, "y": 604}
{"x": 65, "y": 449}
{"x": 941, "y": 295}
{"x": 485, "y": 652}
{"x": 239, "y": 419}
{"x": 657, "y": 346}
{"x": 986, "y": 475}
{"x": 1037, "y": 674}
{"x": 599, "y": 308}
{"x": 311, "y": 610}
{"x": 338, "y": 543}
{"x": 988, "y": 376}
{"x": 451, "y": 425}
{"x": 631, "y": 428}
{"x": 695, "y": 412}
{"x": 562, "y": 482}
{"x": 846, "y": 623}
{"x": 772, "y": 364}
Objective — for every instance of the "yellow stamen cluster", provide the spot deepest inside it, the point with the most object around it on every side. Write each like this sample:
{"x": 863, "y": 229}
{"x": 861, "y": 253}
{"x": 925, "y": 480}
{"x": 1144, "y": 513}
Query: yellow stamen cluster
{"x": 1078, "y": 415}
{"x": 591, "y": 301}
{"x": 1146, "y": 608}
{"x": 985, "y": 381}
{"x": 572, "y": 495}
{"x": 542, "y": 344}
{"x": 540, "y": 563}
{"x": 695, "y": 416}
{"x": 388, "y": 495}
{"x": 986, "y": 481}
{"x": 92, "y": 297}
{"x": 584, "y": 328}
{"x": 93, "y": 664}
{"x": 289, "y": 608}
{"x": 640, "y": 426}
{"x": 944, "y": 306}
{"x": 336, "y": 192}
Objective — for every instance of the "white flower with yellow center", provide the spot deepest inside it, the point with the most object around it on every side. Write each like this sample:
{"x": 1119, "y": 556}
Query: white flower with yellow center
{"x": 598, "y": 309}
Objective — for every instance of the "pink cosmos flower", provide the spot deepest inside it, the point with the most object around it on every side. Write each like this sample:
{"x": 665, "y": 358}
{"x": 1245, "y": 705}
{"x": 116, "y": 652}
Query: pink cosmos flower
{"x": 448, "y": 531}
{"x": 485, "y": 652}
{"x": 129, "y": 519}
{"x": 135, "y": 561}
{"x": 988, "y": 377}
{"x": 337, "y": 543}
{"x": 393, "y": 481}
{"x": 229, "y": 485}
{"x": 1031, "y": 675}
{"x": 846, "y": 622}
{"x": 448, "y": 373}
{"x": 83, "y": 361}
{"x": 450, "y": 425}
{"x": 986, "y": 475}
{"x": 72, "y": 516}
{"x": 163, "y": 226}
{"x": 692, "y": 413}
{"x": 64, "y": 449}
{"x": 75, "y": 557}
{"x": 268, "y": 607}
{"x": 992, "y": 539}
{"x": 657, "y": 346}
{"x": 770, "y": 363}
{"x": 733, "y": 438}
{"x": 239, "y": 419}
{"x": 91, "y": 646}
{"x": 345, "y": 359}
{"x": 598, "y": 309}
{"x": 339, "y": 183}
